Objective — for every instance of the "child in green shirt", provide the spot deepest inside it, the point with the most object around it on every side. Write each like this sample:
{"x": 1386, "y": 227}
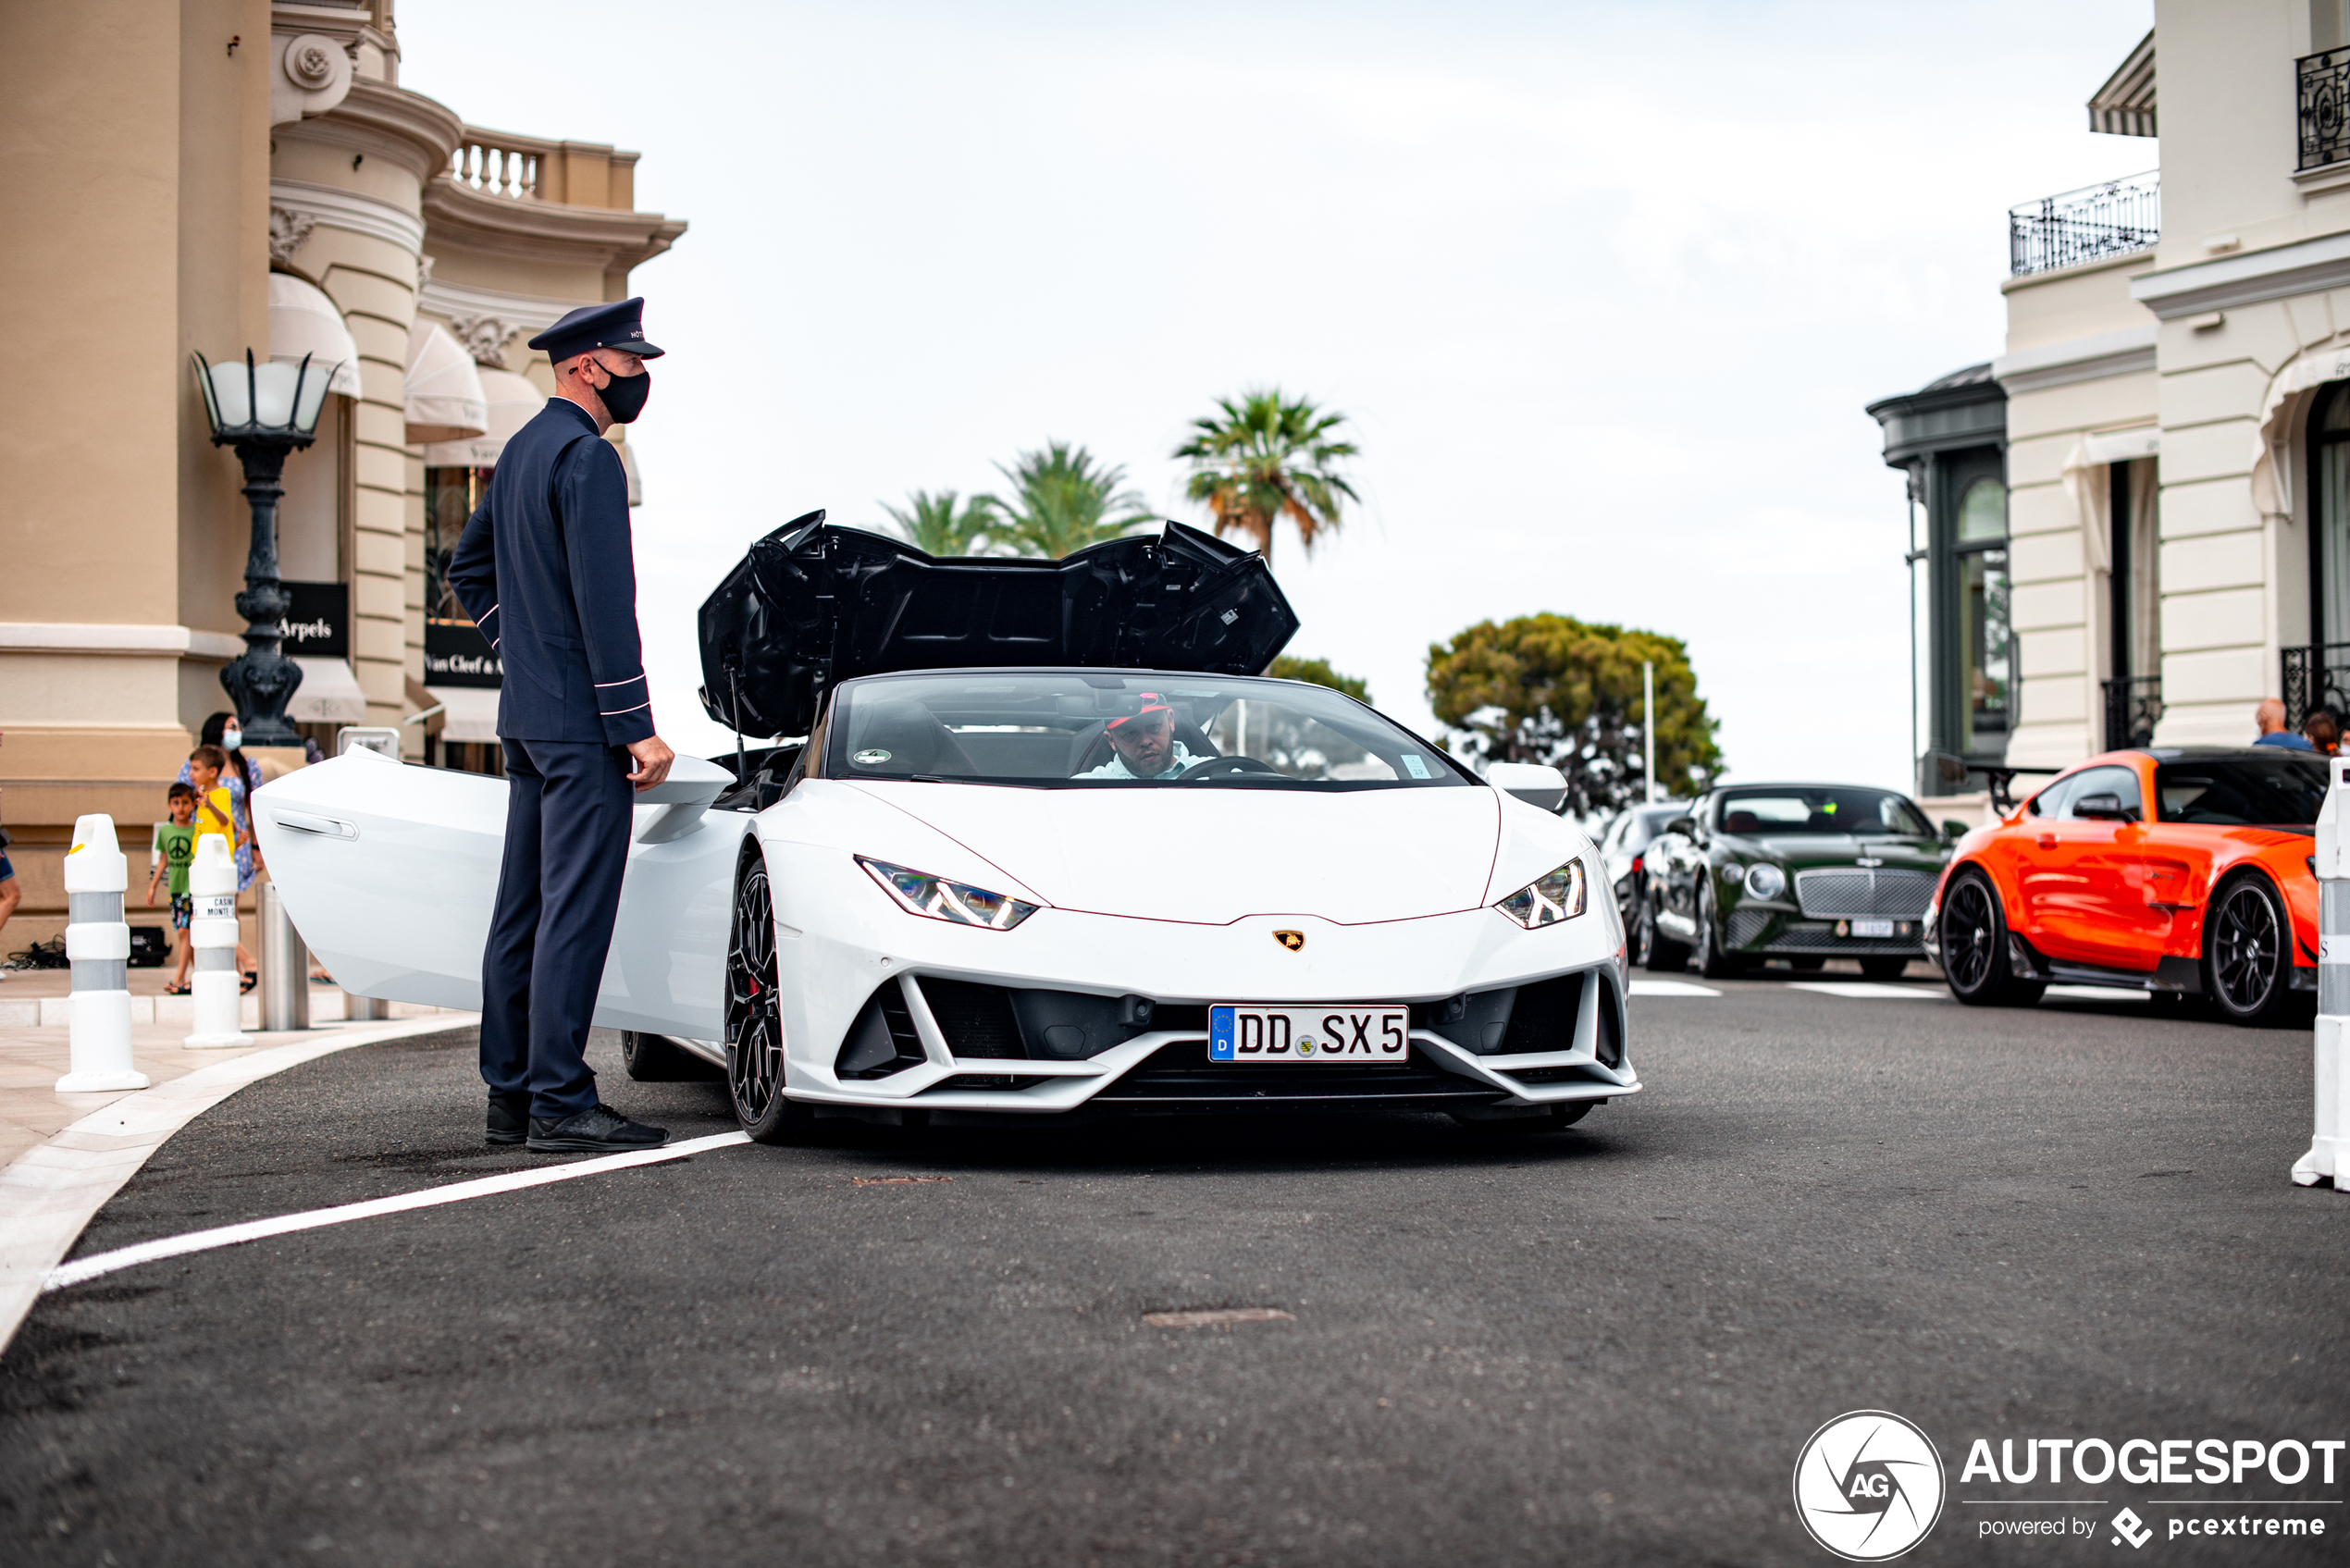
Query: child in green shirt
{"x": 176, "y": 841}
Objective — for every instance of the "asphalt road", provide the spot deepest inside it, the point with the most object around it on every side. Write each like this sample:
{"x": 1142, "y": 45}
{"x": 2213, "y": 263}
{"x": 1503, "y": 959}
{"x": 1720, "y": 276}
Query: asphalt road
{"x": 1607, "y": 1344}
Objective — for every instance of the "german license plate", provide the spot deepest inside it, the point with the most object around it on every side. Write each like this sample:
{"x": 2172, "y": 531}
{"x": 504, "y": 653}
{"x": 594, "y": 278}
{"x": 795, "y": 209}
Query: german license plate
{"x": 1873, "y": 928}
{"x": 1338, "y": 1032}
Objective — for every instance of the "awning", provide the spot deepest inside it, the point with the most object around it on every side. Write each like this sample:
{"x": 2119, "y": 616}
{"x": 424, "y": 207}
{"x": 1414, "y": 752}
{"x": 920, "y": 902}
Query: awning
{"x": 445, "y": 397}
{"x": 513, "y": 403}
{"x": 2272, "y": 461}
{"x": 472, "y": 712}
{"x": 329, "y": 694}
{"x": 303, "y": 321}
{"x": 2091, "y": 497}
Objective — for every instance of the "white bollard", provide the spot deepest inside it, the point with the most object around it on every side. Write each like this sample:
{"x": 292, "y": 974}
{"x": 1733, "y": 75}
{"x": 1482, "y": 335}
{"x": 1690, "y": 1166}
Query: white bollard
{"x": 98, "y": 945}
{"x": 2328, "y": 1154}
{"x": 212, "y": 887}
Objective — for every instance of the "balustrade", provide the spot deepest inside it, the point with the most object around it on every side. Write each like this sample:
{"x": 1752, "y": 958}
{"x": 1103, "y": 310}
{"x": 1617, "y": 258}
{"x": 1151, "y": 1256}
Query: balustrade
{"x": 499, "y": 165}
{"x": 2080, "y": 226}
{"x": 2323, "y": 98}
{"x": 2315, "y": 677}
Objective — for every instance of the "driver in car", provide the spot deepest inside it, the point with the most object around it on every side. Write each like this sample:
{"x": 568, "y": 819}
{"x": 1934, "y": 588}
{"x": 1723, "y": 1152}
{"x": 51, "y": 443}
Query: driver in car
{"x": 1143, "y": 740}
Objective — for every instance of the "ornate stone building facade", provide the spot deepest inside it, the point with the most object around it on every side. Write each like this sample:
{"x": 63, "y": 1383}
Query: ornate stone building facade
{"x": 2175, "y": 442}
{"x": 209, "y": 176}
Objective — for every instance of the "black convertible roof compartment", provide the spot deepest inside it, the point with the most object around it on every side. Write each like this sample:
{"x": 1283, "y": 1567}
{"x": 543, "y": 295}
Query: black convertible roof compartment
{"x": 813, "y": 604}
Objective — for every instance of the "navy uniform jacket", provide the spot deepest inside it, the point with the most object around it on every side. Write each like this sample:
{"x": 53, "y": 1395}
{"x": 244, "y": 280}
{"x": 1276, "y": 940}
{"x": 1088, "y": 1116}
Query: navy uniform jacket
{"x": 544, "y": 568}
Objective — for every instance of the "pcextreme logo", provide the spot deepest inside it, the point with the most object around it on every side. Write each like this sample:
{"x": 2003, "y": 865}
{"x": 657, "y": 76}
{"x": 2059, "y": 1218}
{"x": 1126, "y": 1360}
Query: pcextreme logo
{"x": 1869, "y": 1485}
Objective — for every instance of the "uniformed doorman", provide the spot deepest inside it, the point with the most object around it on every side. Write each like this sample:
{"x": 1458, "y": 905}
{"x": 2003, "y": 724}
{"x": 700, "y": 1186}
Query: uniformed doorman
{"x": 545, "y": 569}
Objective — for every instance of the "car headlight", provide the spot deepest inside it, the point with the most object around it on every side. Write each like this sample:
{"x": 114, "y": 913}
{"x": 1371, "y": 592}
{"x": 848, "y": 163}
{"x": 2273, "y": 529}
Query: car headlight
{"x": 1546, "y": 902}
{"x": 919, "y": 893}
{"x": 1766, "y": 881}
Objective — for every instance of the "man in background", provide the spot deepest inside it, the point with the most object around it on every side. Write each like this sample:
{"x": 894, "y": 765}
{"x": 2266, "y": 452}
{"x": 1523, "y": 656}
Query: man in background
{"x": 2269, "y": 718}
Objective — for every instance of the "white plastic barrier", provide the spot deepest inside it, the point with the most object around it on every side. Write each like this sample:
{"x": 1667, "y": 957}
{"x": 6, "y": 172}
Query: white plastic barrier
{"x": 98, "y": 945}
{"x": 212, "y": 886}
{"x": 2328, "y": 1154}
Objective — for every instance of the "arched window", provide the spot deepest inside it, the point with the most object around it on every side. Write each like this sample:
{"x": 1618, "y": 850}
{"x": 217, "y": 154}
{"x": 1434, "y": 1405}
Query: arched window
{"x": 1987, "y": 640}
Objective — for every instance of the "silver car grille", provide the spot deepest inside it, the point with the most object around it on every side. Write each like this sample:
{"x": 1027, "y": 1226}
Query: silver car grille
{"x": 1839, "y": 894}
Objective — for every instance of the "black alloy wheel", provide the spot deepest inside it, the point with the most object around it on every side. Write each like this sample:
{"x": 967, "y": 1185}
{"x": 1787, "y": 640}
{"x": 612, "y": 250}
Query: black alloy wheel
{"x": 1659, "y": 953}
{"x": 1975, "y": 947}
{"x": 2247, "y": 952}
{"x": 754, "y": 1018}
{"x": 1713, "y": 961}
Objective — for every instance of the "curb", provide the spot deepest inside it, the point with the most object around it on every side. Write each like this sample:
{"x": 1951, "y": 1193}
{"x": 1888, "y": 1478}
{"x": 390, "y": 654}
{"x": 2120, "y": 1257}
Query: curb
{"x": 51, "y": 1193}
{"x": 56, "y": 1012}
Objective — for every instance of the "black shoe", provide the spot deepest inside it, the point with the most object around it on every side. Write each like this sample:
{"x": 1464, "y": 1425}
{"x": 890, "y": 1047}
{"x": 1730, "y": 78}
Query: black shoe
{"x": 509, "y": 1118}
{"x": 601, "y": 1130}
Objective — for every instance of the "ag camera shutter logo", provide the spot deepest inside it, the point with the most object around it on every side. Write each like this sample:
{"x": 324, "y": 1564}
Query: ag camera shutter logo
{"x": 1869, "y": 1485}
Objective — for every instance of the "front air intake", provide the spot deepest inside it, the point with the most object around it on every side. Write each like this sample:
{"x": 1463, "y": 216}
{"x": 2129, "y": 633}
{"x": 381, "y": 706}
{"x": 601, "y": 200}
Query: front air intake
{"x": 882, "y": 1040}
{"x": 976, "y": 1019}
{"x": 1544, "y": 1015}
{"x": 1608, "y": 1041}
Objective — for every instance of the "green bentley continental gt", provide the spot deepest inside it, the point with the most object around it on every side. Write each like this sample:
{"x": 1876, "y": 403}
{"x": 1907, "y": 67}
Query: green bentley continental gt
{"x": 1804, "y": 872}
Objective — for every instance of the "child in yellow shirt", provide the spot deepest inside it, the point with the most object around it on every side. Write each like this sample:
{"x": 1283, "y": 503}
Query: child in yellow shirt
{"x": 213, "y": 816}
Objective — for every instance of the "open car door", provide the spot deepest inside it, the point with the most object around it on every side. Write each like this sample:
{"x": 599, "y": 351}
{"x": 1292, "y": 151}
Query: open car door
{"x": 390, "y": 871}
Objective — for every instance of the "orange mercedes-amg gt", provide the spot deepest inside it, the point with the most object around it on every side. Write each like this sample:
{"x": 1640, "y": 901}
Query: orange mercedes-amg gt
{"x": 2212, "y": 892}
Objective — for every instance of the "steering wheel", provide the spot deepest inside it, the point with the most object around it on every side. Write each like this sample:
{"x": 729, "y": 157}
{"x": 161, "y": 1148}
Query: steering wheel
{"x": 1227, "y": 768}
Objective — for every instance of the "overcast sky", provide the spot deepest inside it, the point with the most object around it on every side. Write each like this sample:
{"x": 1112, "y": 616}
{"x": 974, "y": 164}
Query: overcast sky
{"x": 1603, "y": 288}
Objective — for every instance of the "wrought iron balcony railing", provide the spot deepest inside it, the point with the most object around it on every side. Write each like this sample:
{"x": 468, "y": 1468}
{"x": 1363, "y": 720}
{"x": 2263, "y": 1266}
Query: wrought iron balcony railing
{"x": 2315, "y": 677}
{"x": 2325, "y": 131}
{"x": 2111, "y": 220}
{"x": 2133, "y": 707}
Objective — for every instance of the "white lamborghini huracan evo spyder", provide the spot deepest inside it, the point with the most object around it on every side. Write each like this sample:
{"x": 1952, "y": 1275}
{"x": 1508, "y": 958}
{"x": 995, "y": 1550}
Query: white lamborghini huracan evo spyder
{"x": 1049, "y": 845}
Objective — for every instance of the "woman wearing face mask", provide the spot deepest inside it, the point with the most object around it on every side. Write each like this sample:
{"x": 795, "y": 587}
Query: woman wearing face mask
{"x": 223, "y": 731}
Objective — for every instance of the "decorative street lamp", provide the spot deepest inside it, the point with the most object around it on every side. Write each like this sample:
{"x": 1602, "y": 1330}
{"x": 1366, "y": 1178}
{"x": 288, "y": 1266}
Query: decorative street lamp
{"x": 265, "y": 410}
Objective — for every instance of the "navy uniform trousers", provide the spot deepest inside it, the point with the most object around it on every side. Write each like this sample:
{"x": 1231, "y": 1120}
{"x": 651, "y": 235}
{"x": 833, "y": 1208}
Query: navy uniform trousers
{"x": 568, "y": 813}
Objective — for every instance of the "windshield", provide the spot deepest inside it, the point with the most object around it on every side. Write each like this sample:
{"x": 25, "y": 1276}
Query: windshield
{"x": 1788, "y": 809}
{"x": 1100, "y": 730}
{"x": 2283, "y": 790}
{"x": 1642, "y": 823}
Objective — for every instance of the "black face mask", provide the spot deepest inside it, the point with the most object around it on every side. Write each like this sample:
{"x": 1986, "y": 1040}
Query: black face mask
{"x": 624, "y": 396}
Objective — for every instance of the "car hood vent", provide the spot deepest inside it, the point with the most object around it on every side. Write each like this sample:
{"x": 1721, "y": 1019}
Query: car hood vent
{"x": 813, "y": 604}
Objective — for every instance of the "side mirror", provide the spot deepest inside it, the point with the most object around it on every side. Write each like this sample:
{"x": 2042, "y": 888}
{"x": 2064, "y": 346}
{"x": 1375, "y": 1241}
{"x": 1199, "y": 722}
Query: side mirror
{"x": 1534, "y": 782}
{"x": 2103, "y": 807}
{"x": 1685, "y": 826}
{"x": 1955, "y": 830}
{"x": 679, "y": 801}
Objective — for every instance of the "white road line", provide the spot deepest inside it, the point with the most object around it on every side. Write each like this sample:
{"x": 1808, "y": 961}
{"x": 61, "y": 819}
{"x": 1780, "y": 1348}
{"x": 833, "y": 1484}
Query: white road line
{"x": 50, "y": 1191}
{"x": 91, "y": 1268}
{"x": 1866, "y": 989}
{"x": 1670, "y": 988}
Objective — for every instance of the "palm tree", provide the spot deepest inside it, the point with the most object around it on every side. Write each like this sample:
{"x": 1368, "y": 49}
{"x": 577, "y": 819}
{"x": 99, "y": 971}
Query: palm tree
{"x": 1063, "y": 500}
{"x": 1268, "y": 457}
{"x": 936, "y": 526}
